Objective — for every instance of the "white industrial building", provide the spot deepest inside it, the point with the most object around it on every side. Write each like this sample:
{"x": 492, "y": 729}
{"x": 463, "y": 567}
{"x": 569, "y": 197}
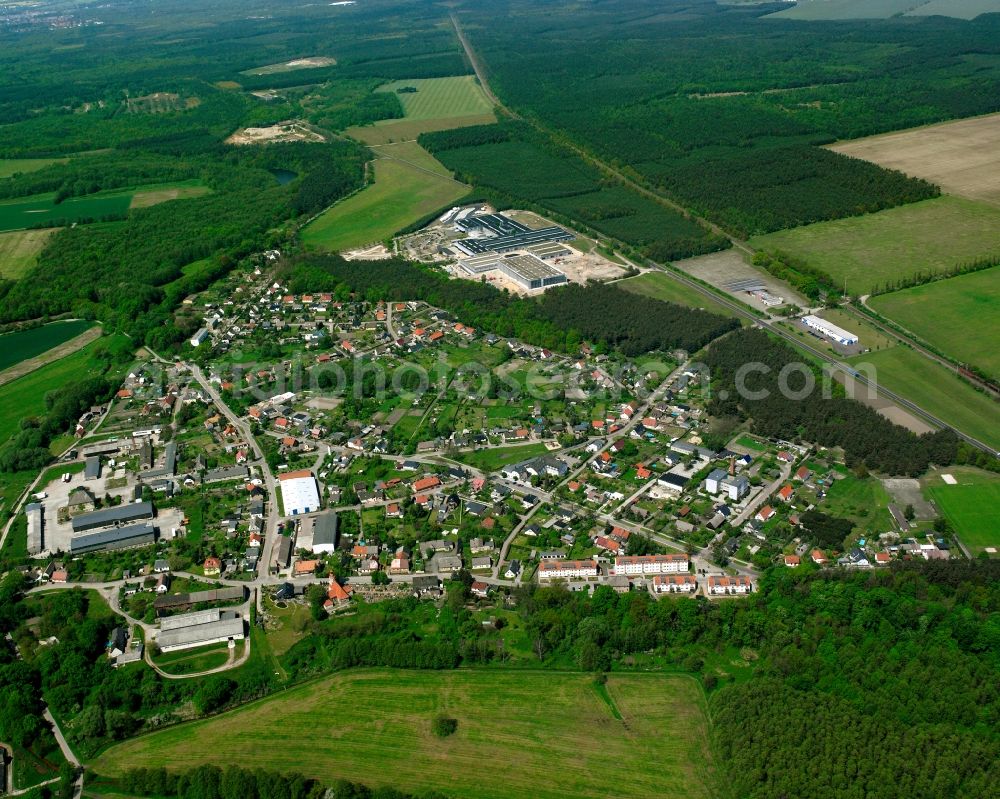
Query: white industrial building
{"x": 527, "y": 270}
{"x": 35, "y": 522}
{"x": 299, "y": 492}
{"x": 672, "y": 563}
{"x": 199, "y": 337}
{"x": 199, "y": 629}
{"x": 735, "y": 487}
{"x": 830, "y": 330}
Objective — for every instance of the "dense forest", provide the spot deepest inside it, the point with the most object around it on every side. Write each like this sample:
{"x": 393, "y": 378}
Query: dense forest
{"x": 723, "y": 108}
{"x": 866, "y": 436}
{"x": 519, "y": 166}
{"x": 560, "y": 319}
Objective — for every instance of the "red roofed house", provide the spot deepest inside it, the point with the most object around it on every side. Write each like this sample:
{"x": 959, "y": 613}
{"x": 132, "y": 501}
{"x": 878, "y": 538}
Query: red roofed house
{"x": 785, "y": 494}
{"x": 802, "y": 474}
{"x": 882, "y": 558}
{"x": 818, "y": 557}
{"x": 212, "y": 565}
{"x": 642, "y": 472}
{"x": 764, "y": 513}
{"x": 426, "y": 483}
{"x": 792, "y": 561}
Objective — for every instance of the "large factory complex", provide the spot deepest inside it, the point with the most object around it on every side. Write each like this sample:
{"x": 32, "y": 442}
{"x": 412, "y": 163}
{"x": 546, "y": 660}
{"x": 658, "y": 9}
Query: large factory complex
{"x": 497, "y": 243}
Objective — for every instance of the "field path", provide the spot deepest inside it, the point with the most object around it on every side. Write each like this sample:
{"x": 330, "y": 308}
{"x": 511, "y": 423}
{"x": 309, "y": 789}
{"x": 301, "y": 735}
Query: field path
{"x": 66, "y": 348}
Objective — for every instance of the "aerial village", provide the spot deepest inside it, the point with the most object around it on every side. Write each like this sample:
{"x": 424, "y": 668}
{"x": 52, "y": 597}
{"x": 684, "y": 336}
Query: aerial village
{"x": 312, "y": 439}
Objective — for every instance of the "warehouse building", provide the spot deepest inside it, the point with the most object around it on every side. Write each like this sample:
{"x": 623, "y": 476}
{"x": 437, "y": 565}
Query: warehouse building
{"x": 517, "y": 241}
{"x": 492, "y": 224}
{"x": 324, "y": 532}
{"x": 299, "y": 492}
{"x": 174, "y": 601}
{"x": 530, "y": 272}
{"x": 124, "y": 537}
{"x": 200, "y": 628}
{"x": 35, "y": 521}
{"x": 830, "y": 330}
{"x": 122, "y": 514}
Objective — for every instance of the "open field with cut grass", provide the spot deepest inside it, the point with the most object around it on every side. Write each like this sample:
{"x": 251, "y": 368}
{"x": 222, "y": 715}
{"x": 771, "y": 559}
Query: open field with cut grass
{"x": 412, "y": 153}
{"x": 400, "y": 195}
{"x": 161, "y": 193}
{"x": 960, "y": 316}
{"x": 970, "y": 505}
{"x": 13, "y": 166}
{"x": 938, "y": 391}
{"x": 871, "y": 251}
{"x": 549, "y": 734}
{"x": 961, "y": 157}
{"x": 660, "y": 286}
{"x": 26, "y": 395}
{"x": 19, "y": 251}
{"x": 23, "y": 344}
{"x": 39, "y": 210}
{"x": 437, "y": 104}
{"x": 440, "y": 98}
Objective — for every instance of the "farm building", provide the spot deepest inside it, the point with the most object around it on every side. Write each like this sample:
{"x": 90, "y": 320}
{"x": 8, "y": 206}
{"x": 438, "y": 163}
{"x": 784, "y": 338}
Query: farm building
{"x": 198, "y": 629}
{"x": 34, "y": 514}
{"x": 830, "y": 330}
{"x": 199, "y": 338}
{"x": 131, "y": 535}
{"x": 299, "y": 492}
{"x": 121, "y": 514}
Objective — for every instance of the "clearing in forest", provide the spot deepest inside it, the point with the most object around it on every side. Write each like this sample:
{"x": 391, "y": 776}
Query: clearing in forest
{"x": 548, "y": 734}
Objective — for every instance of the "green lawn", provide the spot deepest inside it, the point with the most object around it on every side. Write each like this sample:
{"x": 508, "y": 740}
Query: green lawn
{"x": 39, "y": 210}
{"x": 440, "y": 98}
{"x": 876, "y": 249}
{"x": 24, "y": 344}
{"x": 660, "y": 286}
{"x": 26, "y": 395}
{"x": 19, "y": 251}
{"x": 970, "y": 506}
{"x": 960, "y": 316}
{"x": 520, "y": 734}
{"x": 938, "y": 391}
{"x": 192, "y": 661}
{"x": 489, "y": 460}
{"x": 400, "y": 195}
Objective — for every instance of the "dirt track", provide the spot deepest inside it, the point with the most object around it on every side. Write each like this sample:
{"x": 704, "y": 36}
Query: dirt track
{"x": 54, "y": 354}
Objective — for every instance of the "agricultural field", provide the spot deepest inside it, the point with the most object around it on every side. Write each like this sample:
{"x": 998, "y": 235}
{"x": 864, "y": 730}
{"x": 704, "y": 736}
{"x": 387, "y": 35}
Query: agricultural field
{"x": 400, "y": 195}
{"x": 201, "y": 658}
{"x": 869, "y": 252}
{"x": 412, "y": 153}
{"x": 962, "y": 157}
{"x": 437, "y": 104}
{"x": 937, "y": 390}
{"x": 23, "y": 344}
{"x": 26, "y": 395}
{"x": 970, "y": 505}
{"x": 660, "y": 286}
{"x": 550, "y": 735}
{"x": 960, "y": 316}
{"x": 13, "y": 166}
{"x": 883, "y": 9}
{"x": 19, "y": 251}
{"x": 40, "y": 211}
